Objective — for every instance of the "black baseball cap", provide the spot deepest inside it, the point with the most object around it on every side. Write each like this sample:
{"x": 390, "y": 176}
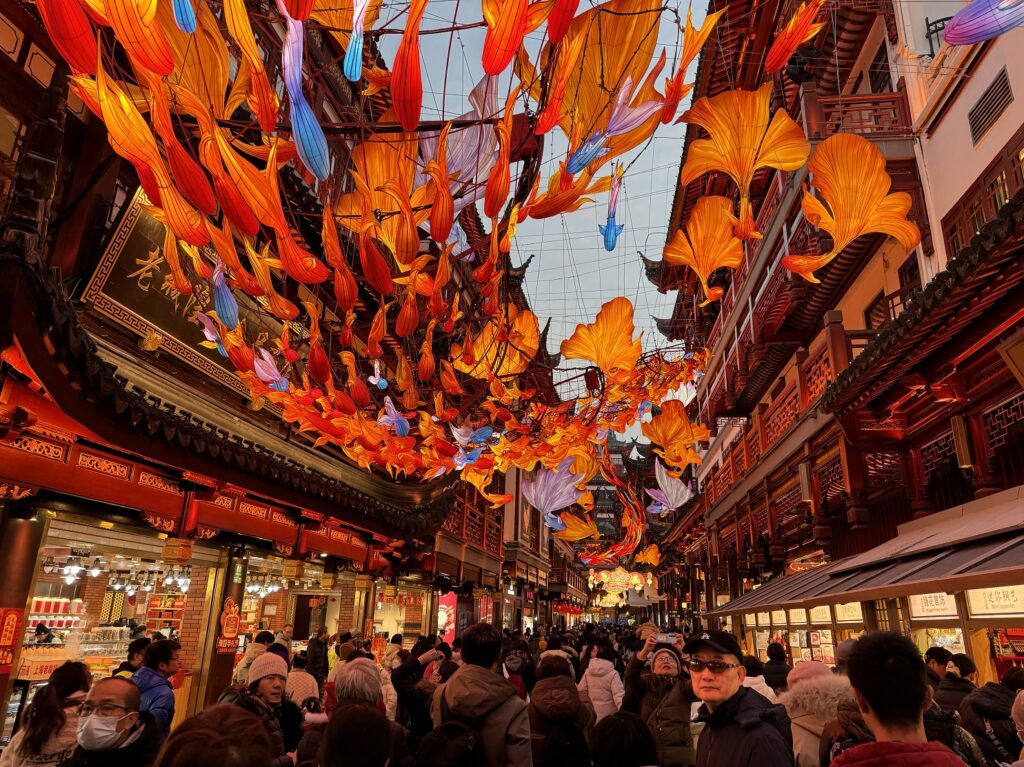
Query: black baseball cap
{"x": 719, "y": 641}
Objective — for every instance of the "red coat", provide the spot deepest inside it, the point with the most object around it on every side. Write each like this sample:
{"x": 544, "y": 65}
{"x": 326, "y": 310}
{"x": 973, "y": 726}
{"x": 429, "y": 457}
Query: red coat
{"x": 896, "y": 754}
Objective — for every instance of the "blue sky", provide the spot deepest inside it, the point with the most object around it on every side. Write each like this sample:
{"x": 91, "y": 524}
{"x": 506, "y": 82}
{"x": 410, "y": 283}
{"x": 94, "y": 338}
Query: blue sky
{"x": 572, "y": 275}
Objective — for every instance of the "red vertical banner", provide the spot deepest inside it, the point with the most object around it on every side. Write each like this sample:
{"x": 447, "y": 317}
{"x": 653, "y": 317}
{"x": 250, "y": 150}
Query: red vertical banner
{"x": 230, "y": 620}
{"x": 10, "y": 636}
{"x": 447, "y": 607}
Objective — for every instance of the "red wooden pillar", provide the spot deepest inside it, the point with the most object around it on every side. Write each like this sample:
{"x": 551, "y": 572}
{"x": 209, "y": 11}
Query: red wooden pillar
{"x": 22, "y": 533}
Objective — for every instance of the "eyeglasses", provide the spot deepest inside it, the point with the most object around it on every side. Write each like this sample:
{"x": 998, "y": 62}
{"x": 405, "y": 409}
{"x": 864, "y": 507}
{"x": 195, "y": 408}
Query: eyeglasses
{"x": 104, "y": 709}
{"x": 714, "y": 666}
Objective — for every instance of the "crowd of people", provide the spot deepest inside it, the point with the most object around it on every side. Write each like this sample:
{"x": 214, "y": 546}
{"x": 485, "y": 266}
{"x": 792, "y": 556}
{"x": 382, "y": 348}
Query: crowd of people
{"x": 593, "y": 697}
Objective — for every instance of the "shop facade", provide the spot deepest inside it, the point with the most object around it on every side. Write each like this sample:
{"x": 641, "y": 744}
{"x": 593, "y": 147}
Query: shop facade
{"x": 954, "y": 579}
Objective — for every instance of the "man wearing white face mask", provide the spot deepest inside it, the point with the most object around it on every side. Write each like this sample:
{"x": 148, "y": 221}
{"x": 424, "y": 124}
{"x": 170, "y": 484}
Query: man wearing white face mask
{"x": 111, "y": 731}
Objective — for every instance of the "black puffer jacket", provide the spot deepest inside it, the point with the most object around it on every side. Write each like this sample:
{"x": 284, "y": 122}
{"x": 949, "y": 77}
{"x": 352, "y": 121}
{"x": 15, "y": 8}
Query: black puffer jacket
{"x": 988, "y": 708}
{"x": 666, "y": 713}
{"x": 951, "y": 692}
{"x": 942, "y": 727}
{"x": 282, "y": 722}
{"x": 745, "y": 731}
{"x": 775, "y": 673}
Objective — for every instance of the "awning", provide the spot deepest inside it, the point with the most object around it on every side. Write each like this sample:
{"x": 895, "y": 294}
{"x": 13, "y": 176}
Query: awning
{"x": 977, "y": 545}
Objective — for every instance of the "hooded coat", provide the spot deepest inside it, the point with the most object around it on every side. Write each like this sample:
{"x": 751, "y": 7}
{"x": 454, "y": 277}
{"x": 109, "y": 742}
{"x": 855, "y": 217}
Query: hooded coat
{"x": 557, "y": 703}
{"x": 898, "y": 754}
{"x": 415, "y": 695}
{"x": 390, "y": 661}
{"x": 812, "y": 704}
{"x": 252, "y": 651}
{"x": 666, "y": 712}
{"x": 602, "y": 685}
{"x": 477, "y": 693}
{"x": 757, "y": 683}
{"x": 745, "y": 731}
{"x": 157, "y": 697}
{"x": 951, "y": 692}
{"x": 992, "y": 704}
{"x": 944, "y": 727}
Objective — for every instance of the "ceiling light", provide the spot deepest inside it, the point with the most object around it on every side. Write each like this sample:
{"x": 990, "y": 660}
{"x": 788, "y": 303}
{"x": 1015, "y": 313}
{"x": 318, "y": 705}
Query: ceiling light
{"x": 69, "y": 579}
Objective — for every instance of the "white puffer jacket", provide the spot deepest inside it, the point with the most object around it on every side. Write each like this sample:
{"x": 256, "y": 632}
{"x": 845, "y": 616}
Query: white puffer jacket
{"x": 601, "y": 683}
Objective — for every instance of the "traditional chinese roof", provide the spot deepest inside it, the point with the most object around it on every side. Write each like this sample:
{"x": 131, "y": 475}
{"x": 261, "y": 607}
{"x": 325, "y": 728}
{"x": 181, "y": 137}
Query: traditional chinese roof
{"x": 947, "y": 318}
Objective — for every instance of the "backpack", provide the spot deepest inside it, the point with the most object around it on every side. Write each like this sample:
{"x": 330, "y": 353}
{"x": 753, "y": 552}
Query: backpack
{"x": 457, "y": 742}
{"x": 565, "y": 746}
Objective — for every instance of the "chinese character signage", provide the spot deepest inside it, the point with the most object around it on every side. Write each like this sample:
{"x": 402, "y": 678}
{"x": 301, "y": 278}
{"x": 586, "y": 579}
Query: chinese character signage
{"x": 230, "y": 620}
{"x": 764, "y": 619}
{"x": 132, "y": 285}
{"x": 849, "y": 612}
{"x": 1002, "y": 601}
{"x": 821, "y": 614}
{"x": 778, "y": 617}
{"x": 10, "y": 636}
{"x": 939, "y": 605}
{"x": 798, "y": 617}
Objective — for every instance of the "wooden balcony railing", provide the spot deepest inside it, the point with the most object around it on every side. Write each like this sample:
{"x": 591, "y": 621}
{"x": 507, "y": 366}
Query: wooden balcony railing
{"x": 781, "y": 416}
{"x": 875, "y": 115}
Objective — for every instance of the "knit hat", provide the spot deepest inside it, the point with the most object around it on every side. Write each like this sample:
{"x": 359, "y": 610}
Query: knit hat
{"x": 808, "y": 669}
{"x": 660, "y": 649}
{"x": 267, "y": 664}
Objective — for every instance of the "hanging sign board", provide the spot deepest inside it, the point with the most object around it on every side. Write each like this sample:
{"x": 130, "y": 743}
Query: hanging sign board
{"x": 938, "y": 605}
{"x": 1000, "y": 602}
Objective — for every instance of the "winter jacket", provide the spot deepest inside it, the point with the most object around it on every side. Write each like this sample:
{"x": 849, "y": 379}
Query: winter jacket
{"x": 56, "y": 748}
{"x": 414, "y": 695}
{"x": 282, "y": 651}
{"x": 140, "y": 752}
{"x": 951, "y": 692}
{"x": 557, "y": 703}
{"x": 388, "y": 694}
{"x": 811, "y": 704}
{"x": 316, "y": 659}
{"x": 666, "y": 713}
{"x": 478, "y": 693}
{"x": 845, "y": 731}
{"x": 944, "y": 727}
{"x": 775, "y": 674}
{"x": 602, "y": 685}
{"x": 898, "y": 754}
{"x": 252, "y": 651}
{"x": 745, "y": 731}
{"x": 300, "y": 686}
{"x": 757, "y": 683}
{"x": 988, "y": 708}
{"x": 283, "y": 722}
{"x": 157, "y": 697}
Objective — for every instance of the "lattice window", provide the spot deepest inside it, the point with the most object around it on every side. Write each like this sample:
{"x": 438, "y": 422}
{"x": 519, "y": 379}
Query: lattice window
{"x": 830, "y": 478}
{"x": 475, "y": 526}
{"x": 935, "y": 454}
{"x": 453, "y": 521}
{"x": 781, "y": 417}
{"x": 760, "y": 520}
{"x": 754, "y": 446}
{"x": 999, "y": 418}
{"x": 492, "y": 541}
{"x": 884, "y": 469}
{"x": 818, "y": 374}
{"x": 788, "y": 507}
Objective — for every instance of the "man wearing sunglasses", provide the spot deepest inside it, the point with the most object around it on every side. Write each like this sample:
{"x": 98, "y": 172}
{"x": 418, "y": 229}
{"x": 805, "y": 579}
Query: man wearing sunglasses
{"x": 741, "y": 727}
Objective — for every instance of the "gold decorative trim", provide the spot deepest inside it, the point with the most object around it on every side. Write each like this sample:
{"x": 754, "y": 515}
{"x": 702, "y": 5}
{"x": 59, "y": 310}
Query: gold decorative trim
{"x": 159, "y": 483}
{"x": 283, "y": 548}
{"x": 224, "y": 501}
{"x": 253, "y": 510}
{"x": 160, "y": 523}
{"x": 206, "y": 533}
{"x": 105, "y": 466}
{"x": 282, "y": 519}
{"x": 40, "y": 448}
